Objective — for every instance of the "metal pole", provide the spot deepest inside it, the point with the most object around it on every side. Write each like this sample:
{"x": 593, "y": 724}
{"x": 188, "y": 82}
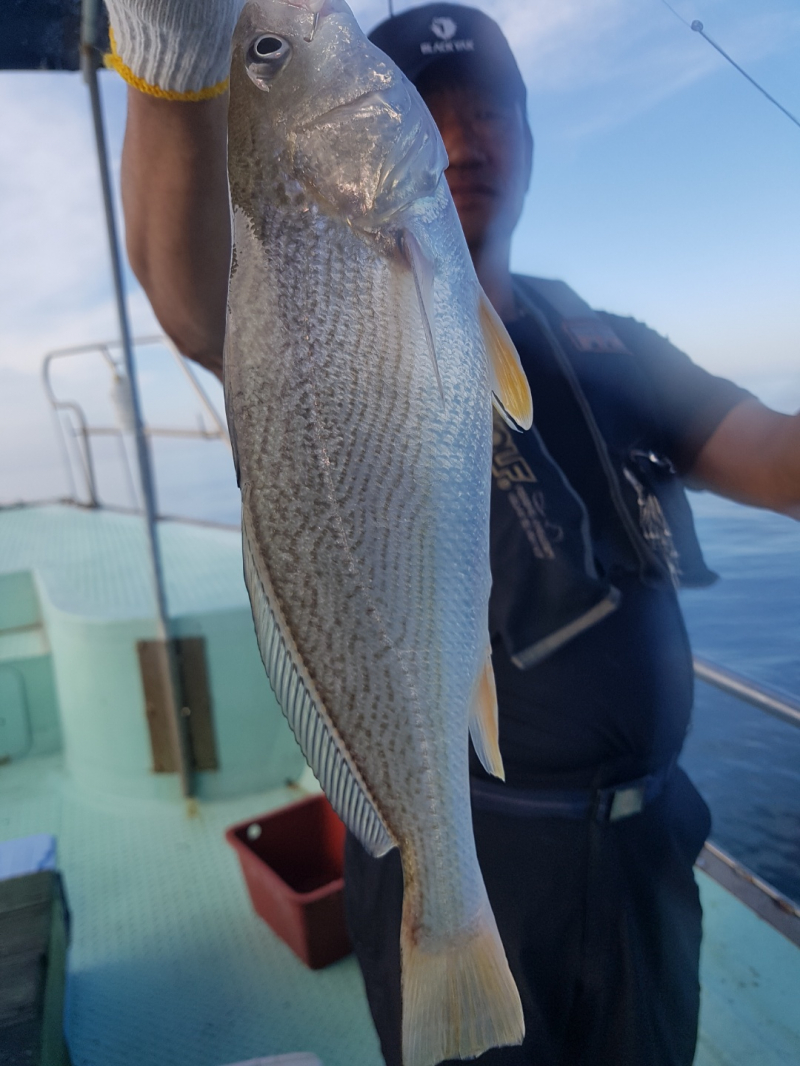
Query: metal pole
{"x": 88, "y": 462}
{"x": 90, "y": 59}
{"x": 222, "y": 428}
{"x": 697, "y": 26}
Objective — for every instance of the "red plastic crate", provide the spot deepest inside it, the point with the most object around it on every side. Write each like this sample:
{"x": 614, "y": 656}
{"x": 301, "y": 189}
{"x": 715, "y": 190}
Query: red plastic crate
{"x": 292, "y": 860}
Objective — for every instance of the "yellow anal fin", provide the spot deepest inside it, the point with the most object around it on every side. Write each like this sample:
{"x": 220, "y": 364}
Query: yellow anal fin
{"x": 483, "y": 725}
{"x": 510, "y": 387}
{"x": 459, "y": 998}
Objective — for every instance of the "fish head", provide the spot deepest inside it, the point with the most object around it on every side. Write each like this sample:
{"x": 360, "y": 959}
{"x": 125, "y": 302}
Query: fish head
{"x": 319, "y": 115}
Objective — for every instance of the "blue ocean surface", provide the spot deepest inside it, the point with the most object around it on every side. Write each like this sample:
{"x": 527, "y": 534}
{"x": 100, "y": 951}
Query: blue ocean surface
{"x": 745, "y": 762}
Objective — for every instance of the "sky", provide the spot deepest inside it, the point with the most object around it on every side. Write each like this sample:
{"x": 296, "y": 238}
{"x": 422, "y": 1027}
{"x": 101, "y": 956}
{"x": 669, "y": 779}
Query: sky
{"x": 665, "y": 187}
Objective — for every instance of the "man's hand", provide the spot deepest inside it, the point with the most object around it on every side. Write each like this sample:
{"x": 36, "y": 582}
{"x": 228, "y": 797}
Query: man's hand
{"x": 177, "y": 217}
{"x": 754, "y": 457}
{"x": 173, "y": 49}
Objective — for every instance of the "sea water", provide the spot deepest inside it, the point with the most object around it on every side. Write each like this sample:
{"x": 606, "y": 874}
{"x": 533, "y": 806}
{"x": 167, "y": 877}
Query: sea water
{"x": 745, "y": 762}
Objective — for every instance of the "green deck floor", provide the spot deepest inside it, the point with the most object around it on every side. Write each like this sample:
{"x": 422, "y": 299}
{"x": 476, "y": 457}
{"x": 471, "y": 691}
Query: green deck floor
{"x": 170, "y": 967}
{"x": 750, "y": 976}
{"x": 96, "y": 564}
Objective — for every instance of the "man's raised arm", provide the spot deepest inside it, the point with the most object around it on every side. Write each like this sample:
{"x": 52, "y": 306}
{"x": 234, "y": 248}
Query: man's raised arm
{"x": 175, "y": 55}
{"x": 175, "y": 197}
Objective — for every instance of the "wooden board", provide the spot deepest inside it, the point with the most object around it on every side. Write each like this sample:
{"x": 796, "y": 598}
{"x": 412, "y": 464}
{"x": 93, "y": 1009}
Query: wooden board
{"x": 33, "y": 948}
{"x": 197, "y": 699}
{"x": 196, "y": 706}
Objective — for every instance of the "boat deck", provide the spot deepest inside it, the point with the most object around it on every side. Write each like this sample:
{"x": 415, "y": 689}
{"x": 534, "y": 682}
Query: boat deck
{"x": 76, "y": 600}
{"x": 169, "y": 965}
{"x": 94, "y": 563}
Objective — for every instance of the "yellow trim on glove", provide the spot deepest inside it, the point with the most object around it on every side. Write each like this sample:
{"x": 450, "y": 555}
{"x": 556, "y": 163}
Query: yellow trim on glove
{"x": 113, "y": 62}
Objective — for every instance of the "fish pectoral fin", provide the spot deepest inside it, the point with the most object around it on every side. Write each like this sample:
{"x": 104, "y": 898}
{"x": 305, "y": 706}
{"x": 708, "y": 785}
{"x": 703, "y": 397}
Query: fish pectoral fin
{"x": 510, "y": 388}
{"x": 423, "y": 272}
{"x": 483, "y": 722}
{"x": 320, "y": 741}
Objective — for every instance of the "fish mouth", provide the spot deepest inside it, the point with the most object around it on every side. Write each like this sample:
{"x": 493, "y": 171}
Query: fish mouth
{"x": 371, "y": 100}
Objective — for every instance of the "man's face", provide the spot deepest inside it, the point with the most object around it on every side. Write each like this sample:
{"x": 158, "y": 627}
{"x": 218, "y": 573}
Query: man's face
{"x": 490, "y": 148}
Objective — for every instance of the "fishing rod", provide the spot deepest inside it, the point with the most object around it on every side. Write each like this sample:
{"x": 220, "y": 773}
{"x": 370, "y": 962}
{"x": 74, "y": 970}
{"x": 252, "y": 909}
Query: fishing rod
{"x": 165, "y": 666}
{"x": 697, "y": 26}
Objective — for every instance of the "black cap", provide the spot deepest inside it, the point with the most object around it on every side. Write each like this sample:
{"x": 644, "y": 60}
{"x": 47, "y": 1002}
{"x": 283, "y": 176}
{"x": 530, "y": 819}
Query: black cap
{"x": 423, "y": 36}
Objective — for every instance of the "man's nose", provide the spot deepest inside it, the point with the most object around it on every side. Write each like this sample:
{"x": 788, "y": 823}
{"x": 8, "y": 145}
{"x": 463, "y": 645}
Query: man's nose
{"x": 462, "y": 144}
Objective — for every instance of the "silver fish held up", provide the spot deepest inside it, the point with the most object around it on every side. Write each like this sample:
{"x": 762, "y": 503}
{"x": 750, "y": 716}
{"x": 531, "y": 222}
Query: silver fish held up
{"x": 360, "y": 364}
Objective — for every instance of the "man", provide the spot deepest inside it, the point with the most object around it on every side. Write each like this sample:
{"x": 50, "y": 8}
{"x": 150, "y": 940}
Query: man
{"x": 587, "y": 852}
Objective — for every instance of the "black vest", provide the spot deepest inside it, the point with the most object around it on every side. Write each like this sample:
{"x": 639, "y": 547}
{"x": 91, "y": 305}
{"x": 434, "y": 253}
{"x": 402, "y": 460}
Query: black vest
{"x": 547, "y": 588}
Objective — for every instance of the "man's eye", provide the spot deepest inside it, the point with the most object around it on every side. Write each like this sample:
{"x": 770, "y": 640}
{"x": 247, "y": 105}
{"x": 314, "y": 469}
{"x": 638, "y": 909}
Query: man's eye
{"x": 493, "y": 114}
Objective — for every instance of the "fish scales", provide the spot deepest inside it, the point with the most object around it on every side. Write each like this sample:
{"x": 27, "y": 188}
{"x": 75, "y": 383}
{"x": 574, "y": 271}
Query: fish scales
{"x": 331, "y": 432}
{"x": 365, "y": 477}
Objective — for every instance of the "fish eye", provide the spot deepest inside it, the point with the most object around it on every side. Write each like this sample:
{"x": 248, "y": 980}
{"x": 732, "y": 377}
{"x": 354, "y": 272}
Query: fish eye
{"x": 269, "y": 47}
{"x": 266, "y": 57}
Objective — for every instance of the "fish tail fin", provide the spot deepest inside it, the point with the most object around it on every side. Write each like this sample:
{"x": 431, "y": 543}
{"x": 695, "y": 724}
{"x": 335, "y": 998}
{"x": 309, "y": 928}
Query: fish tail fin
{"x": 459, "y": 1000}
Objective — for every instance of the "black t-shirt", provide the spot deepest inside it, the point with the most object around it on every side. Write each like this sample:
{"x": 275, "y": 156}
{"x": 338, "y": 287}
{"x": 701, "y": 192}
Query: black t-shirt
{"x": 615, "y": 701}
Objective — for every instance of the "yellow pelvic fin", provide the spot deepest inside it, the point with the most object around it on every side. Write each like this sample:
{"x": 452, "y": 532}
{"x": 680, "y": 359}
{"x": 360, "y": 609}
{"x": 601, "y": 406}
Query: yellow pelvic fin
{"x": 459, "y": 998}
{"x": 483, "y": 727}
{"x": 510, "y": 387}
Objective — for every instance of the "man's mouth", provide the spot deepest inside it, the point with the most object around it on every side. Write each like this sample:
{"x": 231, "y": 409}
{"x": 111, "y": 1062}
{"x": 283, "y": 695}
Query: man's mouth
{"x": 468, "y": 190}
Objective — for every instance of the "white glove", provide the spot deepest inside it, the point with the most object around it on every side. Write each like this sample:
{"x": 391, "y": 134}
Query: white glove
{"x": 173, "y": 49}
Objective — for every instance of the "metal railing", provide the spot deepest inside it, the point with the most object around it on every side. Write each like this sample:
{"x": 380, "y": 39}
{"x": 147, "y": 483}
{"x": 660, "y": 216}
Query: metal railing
{"x": 75, "y": 434}
{"x": 780, "y": 912}
{"x": 772, "y": 700}
{"x": 765, "y": 900}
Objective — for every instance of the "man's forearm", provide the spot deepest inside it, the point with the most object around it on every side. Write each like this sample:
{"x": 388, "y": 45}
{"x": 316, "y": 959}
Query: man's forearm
{"x": 175, "y": 198}
{"x": 754, "y": 457}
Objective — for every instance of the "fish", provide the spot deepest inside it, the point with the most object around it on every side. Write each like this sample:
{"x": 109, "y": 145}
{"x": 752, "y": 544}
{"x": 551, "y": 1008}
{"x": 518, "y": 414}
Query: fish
{"x": 361, "y": 363}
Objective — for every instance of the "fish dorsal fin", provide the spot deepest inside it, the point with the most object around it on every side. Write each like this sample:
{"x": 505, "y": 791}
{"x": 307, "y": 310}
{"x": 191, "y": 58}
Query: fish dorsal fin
{"x": 512, "y": 394}
{"x": 423, "y": 272}
{"x": 483, "y": 724}
{"x": 316, "y": 734}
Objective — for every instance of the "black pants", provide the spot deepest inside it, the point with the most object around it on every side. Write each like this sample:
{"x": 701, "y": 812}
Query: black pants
{"x": 601, "y": 925}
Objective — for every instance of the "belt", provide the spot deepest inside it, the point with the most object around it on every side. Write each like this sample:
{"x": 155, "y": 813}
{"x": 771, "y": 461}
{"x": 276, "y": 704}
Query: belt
{"x": 599, "y": 805}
